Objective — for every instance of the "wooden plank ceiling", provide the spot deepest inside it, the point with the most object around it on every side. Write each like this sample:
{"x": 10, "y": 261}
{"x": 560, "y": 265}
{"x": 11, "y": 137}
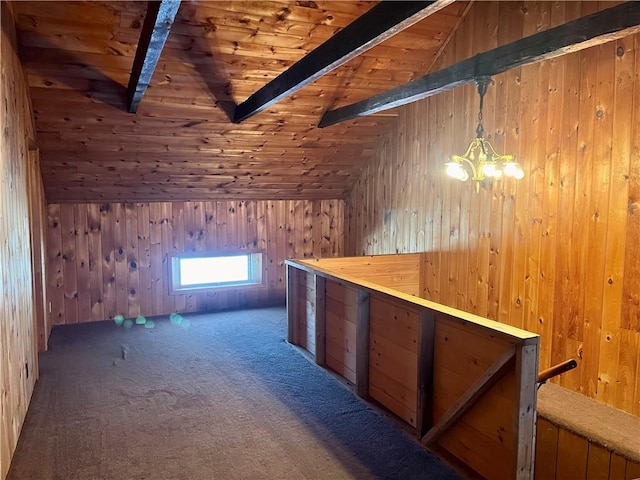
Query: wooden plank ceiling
{"x": 181, "y": 144}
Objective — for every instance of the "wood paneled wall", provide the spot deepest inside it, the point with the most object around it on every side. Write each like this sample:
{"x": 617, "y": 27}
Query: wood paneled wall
{"x": 555, "y": 253}
{"x": 560, "y": 454}
{"x": 109, "y": 259}
{"x": 38, "y": 232}
{"x": 18, "y": 343}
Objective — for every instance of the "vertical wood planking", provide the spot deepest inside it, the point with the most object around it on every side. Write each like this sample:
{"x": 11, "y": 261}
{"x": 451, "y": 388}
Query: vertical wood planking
{"x": 595, "y": 320}
{"x": 37, "y": 233}
{"x": 120, "y": 259}
{"x": 632, "y": 470}
{"x": 178, "y": 232}
{"x": 82, "y": 260}
{"x": 281, "y": 245}
{"x": 55, "y": 265}
{"x": 108, "y": 287}
{"x": 631, "y": 282}
{"x": 132, "y": 260}
{"x": 95, "y": 262}
{"x": 617, "y": 467}
{"x": 622, "y": 270}
{"x": 122, "y": 252}
{"x": 189, "y": 245}
{"x": 572, "y": 456}
{"x": 166, "y": 231}
{"x": 551, "y": 252}
{"x": 18, "y": 342}
{"x": 70, "y": 282}
{"x": 546, "y": 449}
{"x": 549, "y": 226}
{"x": 598, "y": 462}
{"x": 157, "y": 278}
{"x": 144, "y": 259}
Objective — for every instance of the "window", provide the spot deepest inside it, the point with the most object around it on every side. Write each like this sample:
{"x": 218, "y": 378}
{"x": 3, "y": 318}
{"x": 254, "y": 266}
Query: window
{"x": 204, "y": 271}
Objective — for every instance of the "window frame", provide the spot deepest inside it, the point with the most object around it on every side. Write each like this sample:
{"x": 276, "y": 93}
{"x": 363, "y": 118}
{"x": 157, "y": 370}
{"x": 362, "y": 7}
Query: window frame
{"x": 256, "y": 275}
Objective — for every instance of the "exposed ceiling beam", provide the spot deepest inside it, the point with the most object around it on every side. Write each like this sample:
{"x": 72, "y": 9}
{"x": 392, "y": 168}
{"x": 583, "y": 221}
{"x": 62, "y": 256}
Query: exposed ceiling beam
{"x": 155, "y": 30}
{"x": 378, "y": 24}
{"x": 585, "y": 32}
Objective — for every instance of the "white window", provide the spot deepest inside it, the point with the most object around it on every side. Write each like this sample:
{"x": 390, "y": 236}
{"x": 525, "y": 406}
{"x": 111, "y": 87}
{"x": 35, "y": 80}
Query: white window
{"x": 203, "y": 271}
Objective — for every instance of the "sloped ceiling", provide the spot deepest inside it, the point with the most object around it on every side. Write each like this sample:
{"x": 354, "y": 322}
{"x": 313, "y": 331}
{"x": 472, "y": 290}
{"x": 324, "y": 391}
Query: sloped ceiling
{"x": 181, "y": 143}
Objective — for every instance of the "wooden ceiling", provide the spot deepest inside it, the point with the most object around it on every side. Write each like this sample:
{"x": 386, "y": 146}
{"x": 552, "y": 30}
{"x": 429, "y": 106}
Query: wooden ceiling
{"x": 181, "y": 143}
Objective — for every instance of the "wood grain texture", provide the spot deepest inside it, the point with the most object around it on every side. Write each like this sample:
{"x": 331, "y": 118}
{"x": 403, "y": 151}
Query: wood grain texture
{"x": 561, "y": 454}
{"x": 78, "y": 58}
{"x": 553, "y": 253}
{"x": 38, "y": 232}
{"x": 546, "y": 449}
{"x": 115, "y": 256}
{"x": 19, "y": 329}
{"x": 398, "y": 272}
{"x": 494, "y": 436}
{"x": 341, "y": 330}
{"x": 393, "y": 364}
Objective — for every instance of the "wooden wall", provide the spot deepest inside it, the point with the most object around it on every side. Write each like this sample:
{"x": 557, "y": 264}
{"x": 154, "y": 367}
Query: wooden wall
{"x": 560, "y": 454}
{"x": 38, "y": 229}
{"x": 109, "y": 259}
{"x": 18, "y": 342}
{"x": 555, "y": 253}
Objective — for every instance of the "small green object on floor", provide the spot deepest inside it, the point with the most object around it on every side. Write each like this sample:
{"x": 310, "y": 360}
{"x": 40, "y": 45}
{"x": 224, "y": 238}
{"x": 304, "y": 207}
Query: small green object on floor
{"x": 176, "y": 319}
{"x": 150, "y": 324}
{"x": 118, "y": 320}
{"x": 128, "y": 323}
{"x": 140, "y": 320}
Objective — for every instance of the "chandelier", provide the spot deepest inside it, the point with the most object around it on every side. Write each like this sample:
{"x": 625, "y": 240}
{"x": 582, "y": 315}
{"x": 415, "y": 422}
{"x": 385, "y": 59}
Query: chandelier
{"x": 481, "y": 159}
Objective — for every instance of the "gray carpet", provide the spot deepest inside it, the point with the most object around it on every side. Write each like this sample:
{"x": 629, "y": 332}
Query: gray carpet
{"x": 219, "y": 396}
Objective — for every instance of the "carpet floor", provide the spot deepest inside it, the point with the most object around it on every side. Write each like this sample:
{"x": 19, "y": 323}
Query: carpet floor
{"x": 211, "y": 397}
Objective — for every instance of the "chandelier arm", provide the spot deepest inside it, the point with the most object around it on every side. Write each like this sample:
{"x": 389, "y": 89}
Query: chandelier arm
{"x": 468, "y": 162}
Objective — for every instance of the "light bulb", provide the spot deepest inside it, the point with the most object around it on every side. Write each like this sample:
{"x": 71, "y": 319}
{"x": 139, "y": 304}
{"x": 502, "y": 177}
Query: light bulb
{"x": 455, "y": 170}
{"x": 519, "y": 173}
{"x": 489, "y": 169}
{"x": 510, "y": 169}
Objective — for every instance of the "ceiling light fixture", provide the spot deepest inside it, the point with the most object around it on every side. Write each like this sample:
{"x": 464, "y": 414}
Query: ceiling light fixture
{"x": 481, "y": 158}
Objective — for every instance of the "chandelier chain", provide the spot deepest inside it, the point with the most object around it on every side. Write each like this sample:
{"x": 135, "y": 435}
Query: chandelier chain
{"x": 482, "y": 83}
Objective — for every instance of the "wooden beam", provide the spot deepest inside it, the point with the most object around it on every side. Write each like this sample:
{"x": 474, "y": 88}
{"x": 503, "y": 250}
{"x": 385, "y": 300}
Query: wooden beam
{"x": 585, "y": 32}
{"x": 378, "y": 24}
{"x": 469, "y": 398}
{"x": 155, "y": 30}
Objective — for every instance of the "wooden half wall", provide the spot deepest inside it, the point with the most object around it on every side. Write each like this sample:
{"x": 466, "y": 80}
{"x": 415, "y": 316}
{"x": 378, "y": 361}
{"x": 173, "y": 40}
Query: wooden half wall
{"x": 465, "y": 384}
{"x": 22, "y": 301}
{"x": 109, "y": 259}
{"x": 555, "y": 253}
{"x": 400, "y": 272}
